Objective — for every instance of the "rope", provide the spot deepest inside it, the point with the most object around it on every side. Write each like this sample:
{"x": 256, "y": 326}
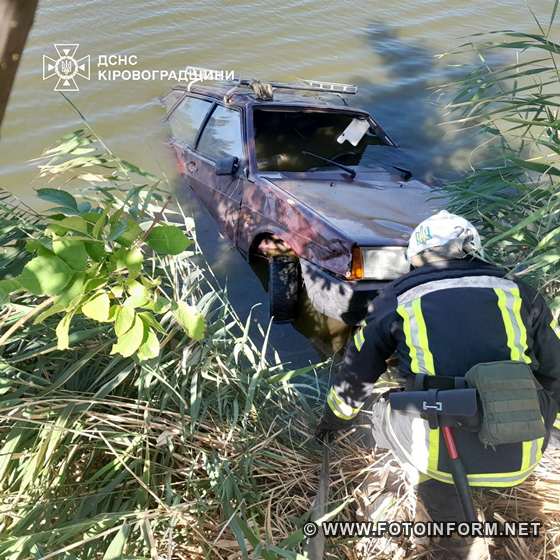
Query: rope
{"x": 263, "y": 91}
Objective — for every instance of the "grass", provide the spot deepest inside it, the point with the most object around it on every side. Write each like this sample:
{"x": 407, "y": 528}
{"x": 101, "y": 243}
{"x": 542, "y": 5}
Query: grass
{"x": 109, "y": 457}
{"x": 512, "y": 190}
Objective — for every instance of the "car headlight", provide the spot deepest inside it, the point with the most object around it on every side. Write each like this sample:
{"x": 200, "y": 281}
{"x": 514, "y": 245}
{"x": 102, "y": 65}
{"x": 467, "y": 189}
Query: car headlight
{"x": 378, "y": 263}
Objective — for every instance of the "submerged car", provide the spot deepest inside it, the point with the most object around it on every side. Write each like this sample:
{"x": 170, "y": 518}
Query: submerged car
{"x": 290, "y": 171}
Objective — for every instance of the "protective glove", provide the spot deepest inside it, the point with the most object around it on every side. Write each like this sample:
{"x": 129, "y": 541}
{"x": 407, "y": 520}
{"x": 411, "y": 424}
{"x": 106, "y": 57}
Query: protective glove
{"x": 329, "y": 424}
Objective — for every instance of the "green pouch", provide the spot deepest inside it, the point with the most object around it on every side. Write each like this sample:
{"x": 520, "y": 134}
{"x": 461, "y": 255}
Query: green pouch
{"x": 510, "y": 405}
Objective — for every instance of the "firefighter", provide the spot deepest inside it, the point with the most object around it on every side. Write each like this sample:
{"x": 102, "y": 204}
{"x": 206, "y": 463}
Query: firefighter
{"x": 452, "y": 311}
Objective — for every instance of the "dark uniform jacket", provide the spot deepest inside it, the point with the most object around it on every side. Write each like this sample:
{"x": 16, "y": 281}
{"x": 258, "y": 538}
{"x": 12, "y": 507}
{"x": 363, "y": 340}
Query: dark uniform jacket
{"x": 442, "y": 320}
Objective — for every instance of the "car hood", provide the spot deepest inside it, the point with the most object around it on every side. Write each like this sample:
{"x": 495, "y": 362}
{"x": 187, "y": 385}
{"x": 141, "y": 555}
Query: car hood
{"x": 369, "y": 212}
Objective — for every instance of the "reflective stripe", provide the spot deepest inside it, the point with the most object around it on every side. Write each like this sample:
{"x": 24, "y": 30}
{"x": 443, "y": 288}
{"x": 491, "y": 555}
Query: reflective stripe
{"x": 433, "y": 453}
{"x": 416, "y": 336}
{"x": 359, "y": 338}
{"x": 490, "y": 282}
{"x": 554, "y": 326}
{"x": 557, "y": 422}
{"x": 421, "y": 361}
{"x": 403, "y": 312}
{"x": 509, "y": 302}
{"x": 424, "y": 437}
{"x": 425, "y": 353}
{"x": 339, "y": 407}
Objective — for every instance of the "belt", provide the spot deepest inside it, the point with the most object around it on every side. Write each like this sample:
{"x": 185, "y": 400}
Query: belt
{"x": 423, "y": 382}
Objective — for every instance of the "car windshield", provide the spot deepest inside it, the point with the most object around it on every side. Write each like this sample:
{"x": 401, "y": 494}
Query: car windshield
{"x": 289, "y": 140}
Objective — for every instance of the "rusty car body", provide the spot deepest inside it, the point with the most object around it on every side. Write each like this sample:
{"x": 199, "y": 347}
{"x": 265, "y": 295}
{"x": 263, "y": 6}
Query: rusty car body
{"x": 274, "y": 173}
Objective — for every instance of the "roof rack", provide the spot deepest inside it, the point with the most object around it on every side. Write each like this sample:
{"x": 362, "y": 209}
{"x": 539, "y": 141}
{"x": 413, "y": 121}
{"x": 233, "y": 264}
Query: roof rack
{"x": 264, "y": 90}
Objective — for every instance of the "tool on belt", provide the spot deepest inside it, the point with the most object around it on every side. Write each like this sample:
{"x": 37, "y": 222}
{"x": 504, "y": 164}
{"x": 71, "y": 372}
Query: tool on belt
{"x": 454, "y": 405}
{"x": 499, "y": 400}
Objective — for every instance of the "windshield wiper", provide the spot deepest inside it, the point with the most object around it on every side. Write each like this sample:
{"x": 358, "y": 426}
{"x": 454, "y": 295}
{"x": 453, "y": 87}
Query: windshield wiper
{"x": 348, "y": 170}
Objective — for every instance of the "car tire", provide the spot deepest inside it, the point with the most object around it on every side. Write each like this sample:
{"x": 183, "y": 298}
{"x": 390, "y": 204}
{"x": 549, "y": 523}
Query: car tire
{"x": 283, "y": 288}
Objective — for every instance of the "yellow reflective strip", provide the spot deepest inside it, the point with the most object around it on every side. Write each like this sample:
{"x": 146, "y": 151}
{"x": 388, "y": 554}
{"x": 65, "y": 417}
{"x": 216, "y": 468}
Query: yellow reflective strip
{"x": 506, "y": 318}
{"x": 335, "y": 409}
{"x": 502, "y": 480}
{"x": 359, "y": 338}
{"x": 540, "y": 442}
{"x": 557, "y": 422}
{"x": 555, "y": 328}
{"x": 433, "y": 450}
{"x": 414, "y": 366}
{"x": 423, "y": 336}
{"x": 498, "y": 483}
{"x": 339, "y": 407}
{"x": 520, "y": 325}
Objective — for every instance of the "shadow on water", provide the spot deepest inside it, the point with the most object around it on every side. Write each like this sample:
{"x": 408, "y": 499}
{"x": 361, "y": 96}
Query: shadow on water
{"x": 407, "y": 108}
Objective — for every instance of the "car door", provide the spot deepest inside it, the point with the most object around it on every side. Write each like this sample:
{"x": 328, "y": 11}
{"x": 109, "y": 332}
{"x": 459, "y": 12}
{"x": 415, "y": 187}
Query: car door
{"x": 186, "y": 117}
{"x": 220, "y": 141}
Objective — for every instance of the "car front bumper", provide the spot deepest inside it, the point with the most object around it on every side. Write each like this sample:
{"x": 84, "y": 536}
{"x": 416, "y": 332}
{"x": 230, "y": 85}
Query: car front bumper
{"x": 347, "y": 301}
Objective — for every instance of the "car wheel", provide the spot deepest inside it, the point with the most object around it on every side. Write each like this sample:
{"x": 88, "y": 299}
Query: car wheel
{"x": 283, "y": 288}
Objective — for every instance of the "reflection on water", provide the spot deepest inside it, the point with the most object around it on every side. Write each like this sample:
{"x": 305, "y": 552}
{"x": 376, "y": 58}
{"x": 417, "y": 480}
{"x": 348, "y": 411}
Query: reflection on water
{"x": 327, "y": 335}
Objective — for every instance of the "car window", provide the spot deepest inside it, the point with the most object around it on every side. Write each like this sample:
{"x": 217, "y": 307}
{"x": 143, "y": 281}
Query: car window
{"x": 292, "y": 140}
{"x": 186, "y": 119}
{"x": 221, "y": 136}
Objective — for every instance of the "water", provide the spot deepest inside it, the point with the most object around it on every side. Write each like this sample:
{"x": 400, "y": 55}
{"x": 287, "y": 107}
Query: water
{"x": 386, "y": 48}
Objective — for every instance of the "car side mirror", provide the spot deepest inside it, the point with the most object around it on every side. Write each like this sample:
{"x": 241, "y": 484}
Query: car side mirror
{"x": 227, "y": 165}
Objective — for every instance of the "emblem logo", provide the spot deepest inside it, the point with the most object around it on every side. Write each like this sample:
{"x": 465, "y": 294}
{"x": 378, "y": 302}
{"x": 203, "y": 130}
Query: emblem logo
{"x": 66, "y": 67}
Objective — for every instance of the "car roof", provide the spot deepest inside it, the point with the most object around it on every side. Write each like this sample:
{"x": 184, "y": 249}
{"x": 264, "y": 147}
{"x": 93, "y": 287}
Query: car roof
{"x": 242, "y": 96}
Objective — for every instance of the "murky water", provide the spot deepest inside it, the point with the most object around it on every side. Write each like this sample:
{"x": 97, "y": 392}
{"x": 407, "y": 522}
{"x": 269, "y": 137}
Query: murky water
{"x": 386, "y": 48}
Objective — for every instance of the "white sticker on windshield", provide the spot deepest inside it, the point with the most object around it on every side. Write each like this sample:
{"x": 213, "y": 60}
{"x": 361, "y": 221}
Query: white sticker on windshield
{"x": 354, "y": 132}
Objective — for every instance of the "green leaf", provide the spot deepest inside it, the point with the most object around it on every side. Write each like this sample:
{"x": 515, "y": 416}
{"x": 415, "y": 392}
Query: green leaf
{"x": 99, "y": 225}
{"x": 151, "y": 321}
{"x": 64, "y": 210}
{"x": 62, "y": 331}
{"x": 71, "y": 252}
{"x": 130, "y": 234}
{"x": 159, "y": 305}
{"x": 84, "y": 206}
{"x": 130, "y": 259}
{"x": 56, "y": 196}
{"x": 95, "y": 250}
{"x": 190, "y": 319}
{"x": 168, "y": 240}
{"x": 73, "y": 223}
{"x": 45, "y": 275}
{"x": 117, "y": 291}
{"x": 116, "y": 549}
{"x": 67, "y": 300}
{"x": 40, "y": 246}
{"x": 117, "y": 229}
{"x": 150, "y": 346}
{"x": 113, "y": 313}
{"x": 138, "y": 294}
{"x": 94, "y": 284}
{"x": 130, "y": 341}
{"x": 124, "y": 319}
{"x": 7, "y": 286}
{"x": 97, "y": 308}
{"x": 75, "y": 288}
